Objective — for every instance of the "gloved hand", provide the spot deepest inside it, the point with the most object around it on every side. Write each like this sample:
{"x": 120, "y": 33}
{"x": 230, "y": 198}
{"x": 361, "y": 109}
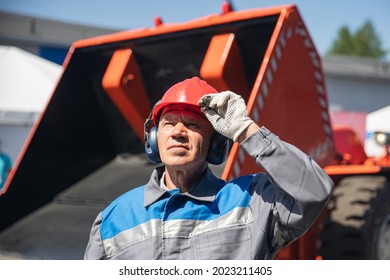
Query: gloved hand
{"x": 226, "y": 111}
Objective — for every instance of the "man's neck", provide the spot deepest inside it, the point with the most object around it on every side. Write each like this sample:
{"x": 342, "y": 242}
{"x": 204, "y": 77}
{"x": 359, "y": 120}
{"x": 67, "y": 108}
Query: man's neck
{"x": 182, "y": 178}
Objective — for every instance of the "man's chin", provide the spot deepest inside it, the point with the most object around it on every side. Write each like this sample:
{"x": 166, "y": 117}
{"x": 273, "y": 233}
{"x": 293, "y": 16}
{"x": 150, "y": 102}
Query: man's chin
{"x": 178, "y": 161}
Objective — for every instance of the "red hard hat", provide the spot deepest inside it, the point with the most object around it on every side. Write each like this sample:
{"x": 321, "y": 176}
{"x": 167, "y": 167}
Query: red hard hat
{"x": 186, "y": 93}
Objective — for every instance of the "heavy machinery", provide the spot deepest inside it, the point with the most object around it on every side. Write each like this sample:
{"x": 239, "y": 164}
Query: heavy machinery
{"x": 358, "y": 215}
{"x": 87, "y": 147}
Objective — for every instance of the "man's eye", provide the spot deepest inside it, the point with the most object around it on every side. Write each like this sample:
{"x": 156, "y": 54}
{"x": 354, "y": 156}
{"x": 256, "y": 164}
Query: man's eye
{"x": 194, "y": 125}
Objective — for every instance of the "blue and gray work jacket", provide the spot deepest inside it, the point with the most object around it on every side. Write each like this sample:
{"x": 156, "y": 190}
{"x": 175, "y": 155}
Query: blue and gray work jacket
{"x": 251, "y": 217}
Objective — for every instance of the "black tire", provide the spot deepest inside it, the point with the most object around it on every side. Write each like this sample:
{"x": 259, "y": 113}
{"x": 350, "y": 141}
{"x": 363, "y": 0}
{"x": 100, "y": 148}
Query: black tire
{"x": 357, "y": 222}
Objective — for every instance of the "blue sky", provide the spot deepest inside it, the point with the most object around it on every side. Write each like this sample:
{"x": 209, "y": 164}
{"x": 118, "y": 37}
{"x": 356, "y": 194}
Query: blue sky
{"x": 323, "y": 18}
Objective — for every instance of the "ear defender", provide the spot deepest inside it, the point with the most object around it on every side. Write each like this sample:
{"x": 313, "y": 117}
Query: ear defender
{"x": 151, "y": 146}
{"x": 219, "y": 149}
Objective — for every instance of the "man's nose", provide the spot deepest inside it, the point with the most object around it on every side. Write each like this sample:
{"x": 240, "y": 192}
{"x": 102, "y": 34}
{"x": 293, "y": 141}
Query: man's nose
{"x": 180, "y": 129}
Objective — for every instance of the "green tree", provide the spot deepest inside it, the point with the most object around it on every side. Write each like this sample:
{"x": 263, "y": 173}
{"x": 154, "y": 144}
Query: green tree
{"x": 344, "y": 43}
{"x": 364, "y": 42}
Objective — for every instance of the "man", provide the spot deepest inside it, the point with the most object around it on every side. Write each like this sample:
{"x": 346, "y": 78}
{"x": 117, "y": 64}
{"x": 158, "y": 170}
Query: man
{"x": 185, "y": 212}
{"x": 5, "y": 166}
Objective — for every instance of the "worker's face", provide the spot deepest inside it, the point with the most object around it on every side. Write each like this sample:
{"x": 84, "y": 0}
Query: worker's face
{"x": 183, "y": 139}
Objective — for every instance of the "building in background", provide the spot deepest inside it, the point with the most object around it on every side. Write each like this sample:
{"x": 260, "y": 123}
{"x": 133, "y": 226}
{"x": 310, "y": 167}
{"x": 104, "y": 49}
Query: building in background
{"x": 359, "y": 96}
{"x": 357, "y": 84}
{"x": 48, "y": 39}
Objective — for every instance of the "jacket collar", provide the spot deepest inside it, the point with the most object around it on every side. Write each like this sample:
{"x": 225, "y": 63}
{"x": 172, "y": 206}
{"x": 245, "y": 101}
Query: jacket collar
{"x": 204, "y": 190}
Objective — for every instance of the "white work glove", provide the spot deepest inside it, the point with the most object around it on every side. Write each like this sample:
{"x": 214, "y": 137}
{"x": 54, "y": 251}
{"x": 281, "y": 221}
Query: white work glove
{"x": 227, "y": 113}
